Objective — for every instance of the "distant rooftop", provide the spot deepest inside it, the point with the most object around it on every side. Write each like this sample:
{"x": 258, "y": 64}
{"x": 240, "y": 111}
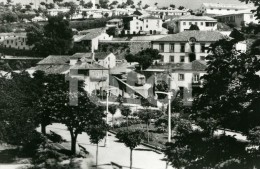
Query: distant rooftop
{"x": 101, "y": 55}
{"x": 88, "y": 66}
{"x": 226, "y": 6}
{"x": 55, "y": 60}
{"x": 88, "y": 34}
{"x": 195, "y": 18}
{"x": 203, "y": 36}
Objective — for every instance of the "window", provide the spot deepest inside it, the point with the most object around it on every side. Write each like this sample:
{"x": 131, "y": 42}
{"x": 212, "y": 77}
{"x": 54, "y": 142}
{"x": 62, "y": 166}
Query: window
{"x": 184, "y": 23}
{"x": 181, "y": 77}
{"x": 211, "y": 8}
{"x": 172, "y": 47}
{"x": 202, "y": 58}
{"x": 182, "y": 59}
{"x": 137, "y": 27}
{"x": 190, "y": 23}
{"x": 182, "y": 47}
{"x": 201, "y": 23}
{"x": 162, "y": 58}
{"x": 171, "y": 58}
{"x": 202, "y": 48}
{"x": 228, "y": 9}
{"x": 161, "y": 47}
{"x": 83, "y": 72}
{"x": 251, "y": 16}
{"x": 220, "y": 9}
{"x": 146, "y": 20}
{"x": 137, "y": 23}
{"x": 7, "y": 41}
{"x": 192, "y": 47}
{"x": 196, "y": 23}
{"x": 196, "y": 77}
{"x": 146, "y": 26}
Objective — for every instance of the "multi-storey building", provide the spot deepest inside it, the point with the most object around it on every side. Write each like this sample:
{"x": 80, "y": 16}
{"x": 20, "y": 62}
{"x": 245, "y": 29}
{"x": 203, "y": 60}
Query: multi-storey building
{"x": 222, "y": 9}
{"x": 163, "y": 13}
{"x": 186, "y": 46}
{"x": 238, "y": 19}
{"x": 204, "y": 23}
{"x": 16, "y": 42}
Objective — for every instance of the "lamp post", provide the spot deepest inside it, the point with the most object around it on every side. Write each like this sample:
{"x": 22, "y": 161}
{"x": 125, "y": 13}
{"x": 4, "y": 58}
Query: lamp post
{"x": 169, "y": 94}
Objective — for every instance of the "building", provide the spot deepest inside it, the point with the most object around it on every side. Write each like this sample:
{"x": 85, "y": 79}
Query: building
{"x": 91, "y": 37}
{"x": 204, "y": 23}
{"x": 95, "y": 77}
{"x": 186, "y": 46}
{"x": 222, "y": 9}
{"x": 238, "y": 19}
{"x": 15, "y": 41}
{"x": 164, "y": 13}
{"x": 117, "y": 23}
{"x": 142, "y": 25}
{"x": 107, "y": 60}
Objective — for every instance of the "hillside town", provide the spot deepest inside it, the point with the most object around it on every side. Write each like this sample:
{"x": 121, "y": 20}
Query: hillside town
{"x": 122, "y": 84}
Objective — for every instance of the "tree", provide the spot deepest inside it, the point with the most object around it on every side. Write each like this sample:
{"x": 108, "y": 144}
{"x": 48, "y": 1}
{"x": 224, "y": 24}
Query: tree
{"x": 129, "y": 2}
{"x": 131, "y": 139}
{"x": 112, "y": 109}
{"x": 125, "y": 111}
{"x": 8, "y": 16}
{"x": 78, "y": 117}
{"x": 181, "y": 7}
{"x": 73, "y": 8}
{"x": 146, "y": 116}
{"x": 145, "y": 58}
{"x": 146, "y": 6}
{"x": 88, "y": 5}
{"x": 194, "y": 27}
{"x": 106, "y": 15}
{"x": 114, "y": 3}
{"x": 82, "y": 3}
{"x": 104, "y": 3}
{"x": 111, "y": 31}
{"x": 17, "y": 117}
{"x": 172, "y": 6}
{"x": 139, "y": 4}
{"x": 54, "y": 38}
{"x": 96, "y": 133}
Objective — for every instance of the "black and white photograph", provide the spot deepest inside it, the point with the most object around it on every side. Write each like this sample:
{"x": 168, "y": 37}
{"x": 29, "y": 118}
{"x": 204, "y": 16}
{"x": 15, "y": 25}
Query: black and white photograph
{"x": 129, "y": 84}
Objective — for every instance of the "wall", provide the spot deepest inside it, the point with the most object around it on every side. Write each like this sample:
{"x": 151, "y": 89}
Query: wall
{"x": 201, "y": 24}
{"x": 135, "y": 26}
{"x": 16, "y": 43}
{"x": 109, "y": 61}
{"x": 152, "y": 24}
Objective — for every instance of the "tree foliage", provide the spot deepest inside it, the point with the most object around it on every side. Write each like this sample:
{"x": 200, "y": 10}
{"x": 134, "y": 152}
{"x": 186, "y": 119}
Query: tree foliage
{"x": 194, "y": 27}
{"x": 145, "y": 58}
{"x": 54, "y": 38}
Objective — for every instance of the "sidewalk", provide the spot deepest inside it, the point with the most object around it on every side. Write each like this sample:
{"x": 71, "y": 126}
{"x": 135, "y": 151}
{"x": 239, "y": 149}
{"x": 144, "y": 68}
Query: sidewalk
{"x": 143, "y": 157}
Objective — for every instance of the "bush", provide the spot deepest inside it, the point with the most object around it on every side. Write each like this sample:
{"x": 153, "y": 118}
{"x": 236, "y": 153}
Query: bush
{"x": 121, "y": 135}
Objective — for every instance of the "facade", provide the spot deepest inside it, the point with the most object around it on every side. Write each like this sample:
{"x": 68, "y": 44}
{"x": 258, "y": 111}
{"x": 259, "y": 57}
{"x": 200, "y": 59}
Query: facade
{"x": 91, "y": 37}
{"x": 186, "y": 46}
{"x": 204, "y": 23}
{"x": 107, "y": 60}
{"x": 152, "y": 25}
{"x": 239, "y": 19}
{"x": 163, "y": 13}
{"x": 16, "y": 42}
{"x": 222, "y": 9}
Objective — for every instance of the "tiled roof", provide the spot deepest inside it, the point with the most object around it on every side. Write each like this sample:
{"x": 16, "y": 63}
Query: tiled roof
{"x": 81, "y": 55}
{"x": 203, "y": 36}
{"x": 115, "y": 20}
{"x": 151, "y": 17}
{"x": 52, "y": 69}
{"x": 101, "y": 55}
{"x": 55, "y": 60}
{"x": 196, "y": 65}
{"x": 88, "y": 34}
{"x": 195, "y": 18}
{"x": 88, "y": 66}
{"x": 226, "y": 6}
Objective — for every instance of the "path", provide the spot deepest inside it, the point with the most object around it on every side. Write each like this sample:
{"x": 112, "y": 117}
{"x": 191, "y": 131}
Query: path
{"x": 143, "y": 157}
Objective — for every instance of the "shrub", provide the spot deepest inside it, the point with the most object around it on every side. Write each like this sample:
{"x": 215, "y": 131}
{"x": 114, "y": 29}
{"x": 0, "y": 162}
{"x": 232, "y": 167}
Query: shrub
{"x": 56, "y": 138}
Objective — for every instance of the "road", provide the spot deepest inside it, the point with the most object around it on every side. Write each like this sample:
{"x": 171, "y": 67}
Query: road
{"x": 143, "y": 157}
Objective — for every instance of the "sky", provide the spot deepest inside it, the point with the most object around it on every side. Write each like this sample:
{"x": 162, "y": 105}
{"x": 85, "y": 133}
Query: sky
{"x": 192, "y": 4}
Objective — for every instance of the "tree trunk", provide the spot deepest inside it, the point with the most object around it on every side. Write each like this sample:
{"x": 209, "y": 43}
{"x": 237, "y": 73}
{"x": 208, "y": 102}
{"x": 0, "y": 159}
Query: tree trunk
{"x": 97, "y": 157}
{"x": 43, "y": 128}
{"x": 73, "y": 143}
{"x": 112, "y": 120}
{"x": 127, "y": 122}
{"x": 147, "y": 129}
{"x": 131, "y": 158}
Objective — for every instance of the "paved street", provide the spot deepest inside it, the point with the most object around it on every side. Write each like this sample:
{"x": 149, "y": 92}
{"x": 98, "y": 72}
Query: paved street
{"x": 143, "y": 157}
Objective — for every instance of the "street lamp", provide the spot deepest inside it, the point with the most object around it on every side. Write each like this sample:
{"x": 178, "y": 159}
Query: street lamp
{"x": 169, "y": 94}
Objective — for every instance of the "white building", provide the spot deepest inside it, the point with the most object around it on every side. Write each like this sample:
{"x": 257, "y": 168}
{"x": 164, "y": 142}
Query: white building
{"x": 186, "y": 46}
{"x": 91, "y": 37}
{"x": 118, "y": 23}
{"x": 16, "y": 42}
{"x": 204, "y": 23}
{"x": 107, "y": 60}
{"x": 222, "y": 9}
{"x": 242, "y": 18}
